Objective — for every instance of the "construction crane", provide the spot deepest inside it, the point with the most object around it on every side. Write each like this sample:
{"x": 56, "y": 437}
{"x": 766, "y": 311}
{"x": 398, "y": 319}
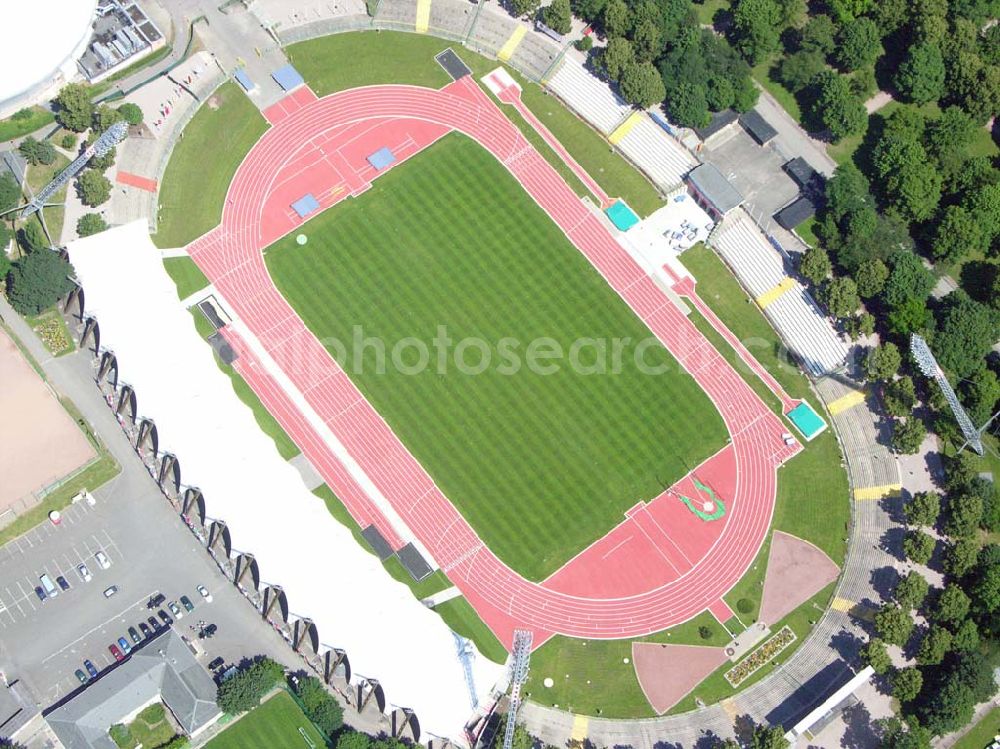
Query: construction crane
{"x": 520, "y": 658}
{"x": 466, "y": 655}
{"x": 108, "y": 140}
{"x": 930, "y": 368}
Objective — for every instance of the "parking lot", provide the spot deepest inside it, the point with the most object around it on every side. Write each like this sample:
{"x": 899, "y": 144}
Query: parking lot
{"x": 149, "y": 551}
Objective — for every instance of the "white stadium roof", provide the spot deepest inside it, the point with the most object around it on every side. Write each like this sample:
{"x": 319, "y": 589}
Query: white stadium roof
{"x": 327, "y": 576}
{"x": 40, "y": 38}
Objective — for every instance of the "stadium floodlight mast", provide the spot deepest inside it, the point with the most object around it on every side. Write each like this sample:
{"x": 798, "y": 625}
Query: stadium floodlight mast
{"x": 520, "y": 658}
{"x": 930, "y": 368}
{"x": 108, "y": 140}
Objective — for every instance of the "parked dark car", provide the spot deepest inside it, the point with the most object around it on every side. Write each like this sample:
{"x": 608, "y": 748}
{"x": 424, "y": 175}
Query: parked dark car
{"x": 165, "y": 617}
{"x": 186, "y": 603}
{"x": 90, "y": 669}
{"x": 134, "y": 634}
{"x": 209, "y": 630}
{"x": 217, "y": 663}
{"x": 81, "y": 676}
{"x": 154, "y": 624}
{"x": 40, "y": 593}
{"x": 61, "y": 581}
{"x": 156, "y": 601}
{"x": 146, "y": 631}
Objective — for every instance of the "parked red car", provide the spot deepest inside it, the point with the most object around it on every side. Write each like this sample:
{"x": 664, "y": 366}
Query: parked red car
{"x": 117, "y": 653}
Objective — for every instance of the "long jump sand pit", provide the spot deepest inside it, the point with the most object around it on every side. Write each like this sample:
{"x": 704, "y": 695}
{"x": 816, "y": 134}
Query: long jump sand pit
{"x": 39, "y": 443}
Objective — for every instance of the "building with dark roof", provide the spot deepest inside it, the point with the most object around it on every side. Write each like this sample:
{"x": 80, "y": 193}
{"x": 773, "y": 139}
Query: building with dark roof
{"x": 17, "y": 708}
{"x": 810, "y": 181}
{"x": 162, "y": 670}
{"x": 758, "y": 128}
{"x": 795, "y": 213}
{"x": 713, "y": 191}
{"x": 720, "y": 121}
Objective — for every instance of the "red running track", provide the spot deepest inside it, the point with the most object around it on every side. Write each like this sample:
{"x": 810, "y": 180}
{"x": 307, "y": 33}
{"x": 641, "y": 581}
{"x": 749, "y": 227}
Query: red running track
{"x": 256, "y": 214}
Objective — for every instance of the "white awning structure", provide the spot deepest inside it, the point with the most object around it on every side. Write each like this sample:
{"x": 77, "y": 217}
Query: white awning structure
{"x": 327, "y": 576}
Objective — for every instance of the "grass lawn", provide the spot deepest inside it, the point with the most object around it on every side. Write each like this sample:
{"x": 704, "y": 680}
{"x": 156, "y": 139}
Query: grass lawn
{"x": 191, "y": 196}
{"x": 186, "y": 275}
{"x": 981, "y": 734}
{"x": 460, "y": 617}
{"x": 591, "y": 677}
{"x": 342, "y": 61}
{"x": 541, "y": 465}
{"x": 764, "y": 74}
{"x": 276, "y": 724}
{"x": 706, "y": 10}
{"x": 34, "y": 118}
{"x": 38, "y": 177}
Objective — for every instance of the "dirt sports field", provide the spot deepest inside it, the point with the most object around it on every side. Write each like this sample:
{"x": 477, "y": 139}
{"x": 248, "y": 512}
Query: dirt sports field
{"x": 41, "y": 444}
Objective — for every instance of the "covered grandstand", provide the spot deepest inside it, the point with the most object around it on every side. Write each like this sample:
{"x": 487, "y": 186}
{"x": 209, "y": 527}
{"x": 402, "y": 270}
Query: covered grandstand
{"x": 807, "y": 332}
{"x": 268, "y": 511}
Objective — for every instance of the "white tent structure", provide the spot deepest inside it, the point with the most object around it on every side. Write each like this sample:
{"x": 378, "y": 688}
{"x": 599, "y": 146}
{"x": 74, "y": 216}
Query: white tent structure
{"x": 41, "y": 43}
{"x": 326, "y": 575}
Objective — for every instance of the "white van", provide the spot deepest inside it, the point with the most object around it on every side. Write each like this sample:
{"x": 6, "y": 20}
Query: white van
{"x": 50, "y": 590}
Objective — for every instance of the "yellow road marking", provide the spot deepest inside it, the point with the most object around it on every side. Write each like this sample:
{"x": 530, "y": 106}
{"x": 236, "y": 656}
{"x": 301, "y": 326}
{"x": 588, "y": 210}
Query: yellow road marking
{"x": 771, "y": 295}
{"x": 580, "y": 725}
{"x": 423, "y": 16}
{"x": 507, "y": 50}
{"x": 845, "y": 402}
{"x": 625, "y": 128}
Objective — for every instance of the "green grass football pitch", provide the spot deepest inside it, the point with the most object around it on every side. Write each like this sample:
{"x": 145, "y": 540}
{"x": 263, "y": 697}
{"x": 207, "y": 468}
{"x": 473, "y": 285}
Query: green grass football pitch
{"x": 276, "y": 724}
{"x": 540, "y": 465}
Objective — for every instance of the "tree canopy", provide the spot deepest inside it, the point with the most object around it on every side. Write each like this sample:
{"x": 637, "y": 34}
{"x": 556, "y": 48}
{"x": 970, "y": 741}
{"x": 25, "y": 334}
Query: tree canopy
{"x": 73, "y": 108}
{"x": 37, "y": 280}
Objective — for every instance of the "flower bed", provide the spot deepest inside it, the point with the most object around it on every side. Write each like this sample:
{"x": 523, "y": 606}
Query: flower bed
{"x": 51, "y": 329}
{"x": 760, "y": 657}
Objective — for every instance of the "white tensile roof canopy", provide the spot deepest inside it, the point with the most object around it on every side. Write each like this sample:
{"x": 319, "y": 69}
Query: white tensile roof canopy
{"x": 327, "y": 576}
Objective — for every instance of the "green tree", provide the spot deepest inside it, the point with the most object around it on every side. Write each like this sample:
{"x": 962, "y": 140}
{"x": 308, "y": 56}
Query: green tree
{"x": 899, "y": 397}
{"x": 980, "y": 394}
{"x": 32, "y": 237}
{"x": 557, "y": 16}
{"x": 353, "y": 740}
{"x": 838, "y": 108}
{"x": 952, "y": 707}
{"x": 920, "y": 77}
{"x": 37, "y": 152}
{"x": 965, "y": 513}
{"x": 893, "y": 624}
{"x": 242, "y": 691}
{"x": 957, "y": 235}
{"x": 818, "y": 35}
{"x": 799, "y": 69}
{"x": 923, "y": 509}
{"x": 687, "y": 105}
{"x": 952, "y": 605}
{"x": 90, "y": 223}
{"x": 37, "y": 280}
{"x": 647, "y": 41}
{"x": 912, "y": 590}
{"x": 94, "y": 188}
{"x": 768, "y": 737}
{"x": 524, "y": 7}
{"x": 104, "y": 117}
{"x": 617, "y": 19}
{"x": 756, "y": 28}
{"x": 584, "y": 43}
{"x": 883, "y": 362}
{"x": 934, "y": 646}
{"x": 860, "y": 44}
{"x": 960, "y": 556}
{"x": 642, "y": 85}
{"x": 908, "y": 279}
{"x": 105, "y": 162}
{"x": 908, "y": 436}
{"x": 847, "y": 10}
{"x": 966, "y": 637}
{"x": 918, "y": 547}
{"x": 840, "y": 295}
{"x": 815, "y": 265}
{"x": 73, "y": 108}
{"x": 876, "y": 655}
{"x": 907, "y": 683}
{"x": 968, "y": 330}
{"x": 618, "y": 57}
{"x": 131, "y": 113}
{"x": 897, "y": 735}
{"x": 319, "y": 705}
{"x": 10, "y": 193}
{"x": 912, "y": 315}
